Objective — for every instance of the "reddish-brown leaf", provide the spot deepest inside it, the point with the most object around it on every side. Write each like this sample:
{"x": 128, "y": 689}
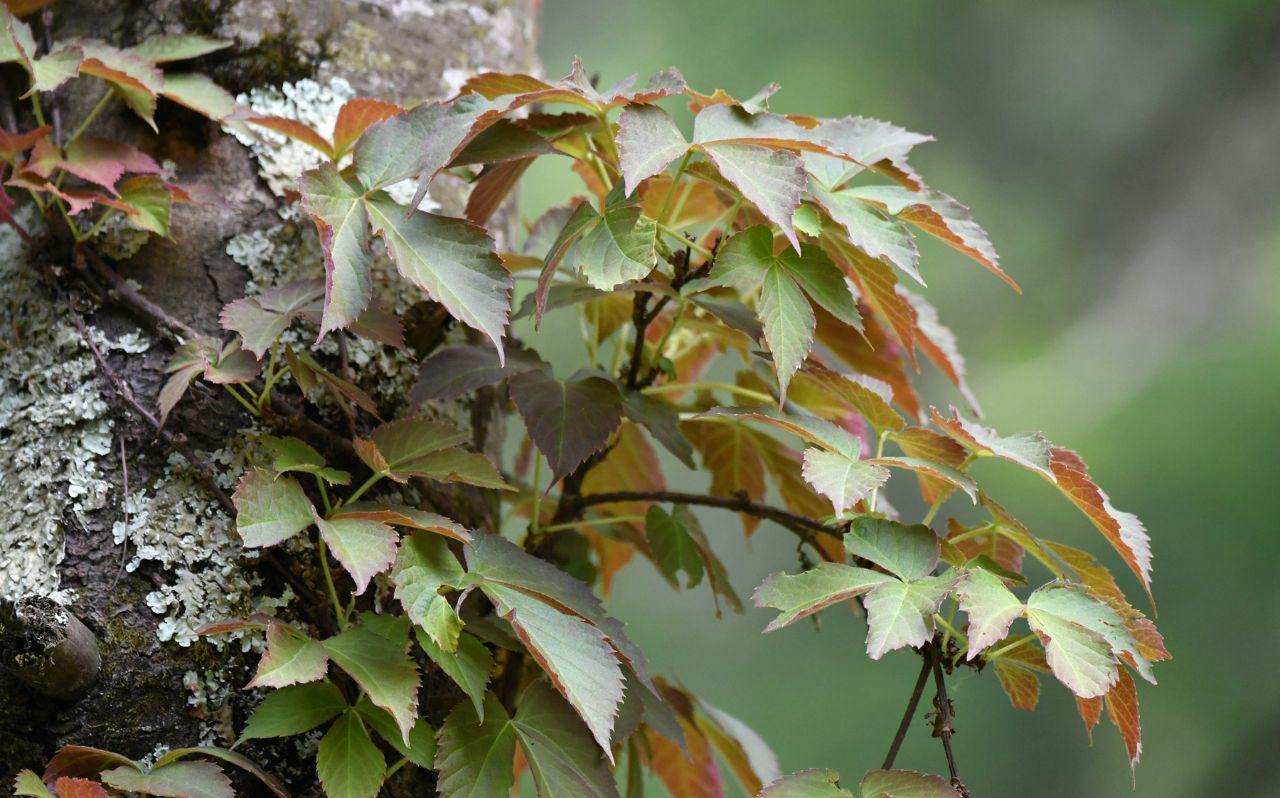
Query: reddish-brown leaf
{"x": 1090, "y": 710}
{"x": 13, "y": 144}
{"x": 103, "y": 161}
{"x": 492, "y": 187}
{"x": 691, "y": 775}
{"x": 730, "y": 452}
{"x": 1000, "y": 548}
{"x": 874, "y": 354}
{"x": 355, "y": 117}
{"x": 938, "y": 343}
{"x": 1122, "y": 708}
{"x": 294, "y": 130}
{"x": 878, "y": 284}
{"x": 1123, "y": 530}
{"x": 67, "y": 787}
{"x": 1017, "y": 672}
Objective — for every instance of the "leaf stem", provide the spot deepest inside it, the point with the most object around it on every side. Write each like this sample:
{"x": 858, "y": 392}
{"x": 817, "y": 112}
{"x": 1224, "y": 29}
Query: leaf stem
{"x": 536, "y": 521}
{"x": 926, "y": 655}
{"x": 103, "y": 102}
{"x": 333, "y": 590}
{"x": 875, "y": 492}
{"x": 950, "y": 630}
{"x": 606, "y": 520}
{"x": 1005, "y": 649}
{"x": 677, "y": 387}
{"x": 360, "y": 491}
{"x": 675, "y": 183}
{"x": 404, "y": 760}
{"x": 253, "y": 410}
{"x": 698, "y": 248}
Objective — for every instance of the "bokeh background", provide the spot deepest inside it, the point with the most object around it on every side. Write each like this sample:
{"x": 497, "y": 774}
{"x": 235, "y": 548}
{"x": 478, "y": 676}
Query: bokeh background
{"x": 1125, "y": 159}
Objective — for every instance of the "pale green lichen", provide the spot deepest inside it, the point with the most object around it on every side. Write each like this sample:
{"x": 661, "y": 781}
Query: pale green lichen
{"x": 53, "y": 428}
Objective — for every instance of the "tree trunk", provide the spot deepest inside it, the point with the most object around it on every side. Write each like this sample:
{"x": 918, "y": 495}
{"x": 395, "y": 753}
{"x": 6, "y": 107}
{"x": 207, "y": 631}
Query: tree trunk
{"x": 124, "y": 527}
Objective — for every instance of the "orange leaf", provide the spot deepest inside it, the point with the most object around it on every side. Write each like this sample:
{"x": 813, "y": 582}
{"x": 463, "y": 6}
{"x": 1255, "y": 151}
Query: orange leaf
{"x": 692, "y": 775}
{"x": 355, "y": 117}
{"x": 1122, "y": 708}
{"x": 1090, "y": 711}
{"x": 294, "y": 130}
{"x": 79, "y": 788}
{"x": 873, "y": 353}
{"x": 878, "y": 284}
{"x": 1017, "y": 670}
{"x": 493, "y": 187}
{"x": 732, "y": 455}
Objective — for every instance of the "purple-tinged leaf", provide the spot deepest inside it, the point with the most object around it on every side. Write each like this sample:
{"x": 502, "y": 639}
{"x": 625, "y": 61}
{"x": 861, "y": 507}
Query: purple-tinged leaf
{"x": 339, "y": 212}
{"x": 457, "y": 370}
{"x": 648, "y": 141}
{"x": 569, "y": 420}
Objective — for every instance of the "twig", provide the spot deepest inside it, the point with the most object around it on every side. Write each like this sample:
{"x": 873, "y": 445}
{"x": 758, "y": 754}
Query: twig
{"x": 88, "y": 261}
{"x": 927, "y": 656}
{"x": 944, "y": 728}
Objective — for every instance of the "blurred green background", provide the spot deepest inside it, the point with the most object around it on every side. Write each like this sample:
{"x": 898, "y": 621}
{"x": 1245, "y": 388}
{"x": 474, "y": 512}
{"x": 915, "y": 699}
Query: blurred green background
{"x": 1123, "y": 158}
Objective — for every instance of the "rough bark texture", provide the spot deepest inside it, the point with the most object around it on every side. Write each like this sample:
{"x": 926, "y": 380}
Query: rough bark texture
{"x": 69, "y": 444}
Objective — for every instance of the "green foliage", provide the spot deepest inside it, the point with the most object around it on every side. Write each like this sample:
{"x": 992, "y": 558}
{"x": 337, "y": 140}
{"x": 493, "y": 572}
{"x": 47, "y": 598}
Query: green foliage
{"x": 773, "y": 249}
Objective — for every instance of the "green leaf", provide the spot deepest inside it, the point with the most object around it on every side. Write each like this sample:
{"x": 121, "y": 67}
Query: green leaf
{"x": 771, "y": 179}
{"x": 493, "y": 558}
{"x": 200, "y": 94}
{"x": 149, "y": 203}
{"x": 992, "y": 608}
{"x": 291, "y": 657}
{"x": 365, "y": 548}
{"x": 337, "y": 206}
{"x": 900, "y": 614}
{"x": 568, "y": 420}
{"x": 295, "y": 454}
{"x": 421, "y": 749}
{"x": 662, "y": 421}
{"x": 717, "y": 575}
{"x": 381, "y": 665}
{"x": 270, "y": 510}
{"x": 648, "y": 141}
{"x": 558, "y": 748}
{"x": 1027, "y": 449}
{"x": 870, "y": 230}
{"x": 475, "y": 758}
{"x": 469, "y": 664}
{"x": 905, "y": 784}
{"x": 582, "y": 217}
{"x": 179, "y": 47}
{"x": 176, "y": 780}
{"x": 941, "y": 216}
{"x": 807, "y": 784}
{"x": 347, "y": 761}
{"x": 616, "y": 248}
{"x": 28, "y": 783}
{"x": 225, "y": 755}
{"x": 576, "y": 655}
{"x": 845, "y": 482}
{"x": 423, "y": 566}
{"x": 451, "y": 259}
{"x": 673, "y": 548}
{"x": 135, "y": 79}
{"x": 909, "y": 552}
{"x": 803, "y": 594}
{"x": 1057, "y": 603}
{"x": 418, "y": 142}
{"x": 788, "y": 282}
{"x": 293, "y": 710}
{"x": 402, "y": 442}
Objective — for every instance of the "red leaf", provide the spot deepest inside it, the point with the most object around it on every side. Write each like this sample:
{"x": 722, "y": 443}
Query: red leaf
{"x": 294, "y": 130}
{"x": 1090, "y": 711}
{"x": 691, "y": 775}
{"x": 11, "y": 144}
{"x": 873, "y": 353}
{"x": 879, "y": 286}
{"x": 355, "y": 117}
{"x": 79, "y": 788}
{"x": 492, "y": 188}
{"x": 1122, "y": 708}
{"x": 103, "y": 161}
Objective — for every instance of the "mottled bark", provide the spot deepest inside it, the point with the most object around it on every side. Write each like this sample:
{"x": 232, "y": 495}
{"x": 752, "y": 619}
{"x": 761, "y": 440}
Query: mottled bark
{"x": 63, "y": 474}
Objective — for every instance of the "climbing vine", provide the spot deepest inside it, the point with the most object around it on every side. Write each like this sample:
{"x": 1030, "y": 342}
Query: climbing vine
{"x": 749, "y": 300}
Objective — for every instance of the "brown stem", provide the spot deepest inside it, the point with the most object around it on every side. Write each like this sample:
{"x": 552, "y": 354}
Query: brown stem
{"x": 943, "y": 727}
{"x": 801, "y": 524}
{"x": 927, "y": 656}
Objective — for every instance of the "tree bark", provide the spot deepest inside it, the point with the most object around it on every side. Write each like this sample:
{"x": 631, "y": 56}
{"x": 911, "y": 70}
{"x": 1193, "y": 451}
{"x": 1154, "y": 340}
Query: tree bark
{"x": 142, "y": 574}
